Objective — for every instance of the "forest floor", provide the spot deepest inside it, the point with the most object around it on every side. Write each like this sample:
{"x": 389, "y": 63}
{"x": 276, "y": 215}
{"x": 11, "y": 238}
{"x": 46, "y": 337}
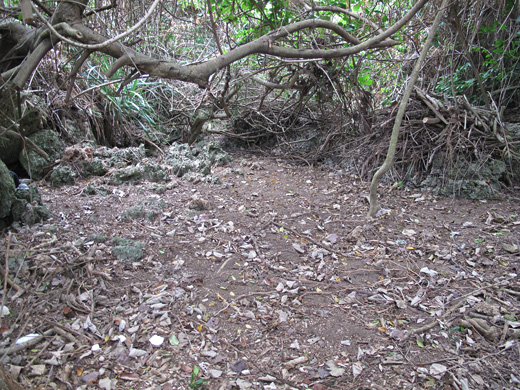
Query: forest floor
{"x": 273, "y": 279}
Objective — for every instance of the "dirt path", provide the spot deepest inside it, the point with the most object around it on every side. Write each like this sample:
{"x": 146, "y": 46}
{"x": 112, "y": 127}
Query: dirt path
{"x": 273, "y": 279}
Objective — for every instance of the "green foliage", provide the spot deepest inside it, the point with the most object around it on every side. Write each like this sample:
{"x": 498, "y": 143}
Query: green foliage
{"x": 194, "y": 382}
{"x": 137, "y": 101}
{"x": 365, "y": 80}
{"x": 460, "y": 82}
{"x": 498, "y": 61}
{"x": 253, "y": 18}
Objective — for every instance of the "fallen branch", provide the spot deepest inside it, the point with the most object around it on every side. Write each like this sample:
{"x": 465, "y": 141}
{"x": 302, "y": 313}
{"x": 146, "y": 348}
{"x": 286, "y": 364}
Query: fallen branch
{"x": 15, "y": 348}
{"x": 426, "y": 101}
{"x": 460, "y": 301}
{"x": 4, "y": 273}
{"x": 31, "y": 145}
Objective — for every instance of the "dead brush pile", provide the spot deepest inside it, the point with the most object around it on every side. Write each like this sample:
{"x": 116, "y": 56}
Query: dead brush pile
{"x": 443, "y": 146}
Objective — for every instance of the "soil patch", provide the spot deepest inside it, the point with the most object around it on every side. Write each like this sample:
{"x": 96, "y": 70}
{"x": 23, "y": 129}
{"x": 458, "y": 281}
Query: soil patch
{"x": 272, "y": 279}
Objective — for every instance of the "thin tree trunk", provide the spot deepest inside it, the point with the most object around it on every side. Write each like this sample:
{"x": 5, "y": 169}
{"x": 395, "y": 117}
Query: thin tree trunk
{"x": 374, "y": 204}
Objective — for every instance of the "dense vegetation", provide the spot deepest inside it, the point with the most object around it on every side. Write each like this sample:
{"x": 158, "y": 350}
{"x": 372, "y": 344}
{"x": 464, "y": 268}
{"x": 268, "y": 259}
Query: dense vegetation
{"x": 309, "y": 76}
{"x": 251, "y": 264}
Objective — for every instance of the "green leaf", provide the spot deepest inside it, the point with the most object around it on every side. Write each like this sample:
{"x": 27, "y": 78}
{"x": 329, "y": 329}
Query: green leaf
{"x": 365, "y": 80}
{"x": 173, "y": 340}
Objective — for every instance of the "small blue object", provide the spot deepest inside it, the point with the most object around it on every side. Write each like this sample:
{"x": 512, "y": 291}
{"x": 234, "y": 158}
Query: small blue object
{"x": 15, "y": 178}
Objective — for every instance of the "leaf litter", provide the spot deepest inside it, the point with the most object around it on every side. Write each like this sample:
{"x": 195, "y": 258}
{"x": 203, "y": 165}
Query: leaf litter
{"x": 272, "y": 279}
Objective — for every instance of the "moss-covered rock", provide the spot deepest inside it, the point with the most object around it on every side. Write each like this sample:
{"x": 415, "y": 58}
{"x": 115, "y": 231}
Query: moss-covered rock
{"x": 118, "y": 158}
{"x": 473, "y": 180}
{"x": 132, "y": 174}
{"x": 78, "y": 131}
{"x": 28, "y": 207}
{"x": 136, "y": 173}
{"x": 91, "y": 189}
{"x": 29, "y": 193}
{"x": 30, "y": 213}
{"x": 127, "y": 250}
{"x": 156, "y": 173}
{"x": 6, "y": 191}
{"x": 148, "y": 209}
{"x": 184, "y": 159}
{"x": 63, "y": 175}
{"x": 94, "y": 167}
{"x": 36, "y": 165}
{"x": 10, "y": 148}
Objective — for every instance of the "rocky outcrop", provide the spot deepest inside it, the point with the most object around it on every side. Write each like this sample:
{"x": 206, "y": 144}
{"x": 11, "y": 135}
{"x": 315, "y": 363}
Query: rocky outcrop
{"x": 37, "y": 166}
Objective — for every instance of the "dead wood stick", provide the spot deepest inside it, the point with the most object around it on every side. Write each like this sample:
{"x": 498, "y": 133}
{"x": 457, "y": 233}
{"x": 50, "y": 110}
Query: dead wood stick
{"x": 252, "y": 361}
{"x": 512, "y": 292}
{"x": 456, "y": 306}
{"x": 430, "y": 121}
{"x": 7, "y": 382}
{"x": 146, "y": 140}
{"x": 14, "y": 135}
{"x": 481, "y": 326}
{"x": 4, "y": 273}
{"x": 46, "y": 243}
{"x": 478, "y": 119}
{"x": 396, "y": 129}
{"x": 66, "y": 335}
{"x": 73, "y": 335}
{"x": 40, "y": 352}
{"x": 27, "y": 344}
{"x": 437, "y": 113}
{"x": 509, "y": 88}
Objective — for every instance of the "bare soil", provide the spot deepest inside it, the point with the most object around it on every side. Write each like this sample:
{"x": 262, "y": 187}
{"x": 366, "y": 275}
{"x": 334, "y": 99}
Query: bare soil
{"x": 273, "y": 279}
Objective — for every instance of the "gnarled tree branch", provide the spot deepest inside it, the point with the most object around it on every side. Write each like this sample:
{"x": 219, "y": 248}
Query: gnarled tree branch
{"x": 82, "y": 36}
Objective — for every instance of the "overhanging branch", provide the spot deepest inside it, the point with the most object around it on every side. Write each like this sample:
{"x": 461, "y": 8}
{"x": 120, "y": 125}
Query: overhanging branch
{"x": 199, "y": 74}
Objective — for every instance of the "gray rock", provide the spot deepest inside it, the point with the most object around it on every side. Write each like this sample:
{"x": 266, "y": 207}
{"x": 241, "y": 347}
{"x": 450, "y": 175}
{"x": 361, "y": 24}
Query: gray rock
{"x": 28, "y": 207}
{"x": 28, "y": 193}
{"x": 78, "y": 131}
{"x": 131, "y": 174}
{"x": 63, "y": 175}
{"x": 156, "y": 173}
{"x": 197, "y": 159}
{"x": 95, "y": 167}
{"x": 123, "y": 157}
{"x": 468, "y": 180}
{"x": 91, "y": 189}
{"x": 148, "y": 209}
{"x": 136, "y": 173}
{"x": 37, "y": 166}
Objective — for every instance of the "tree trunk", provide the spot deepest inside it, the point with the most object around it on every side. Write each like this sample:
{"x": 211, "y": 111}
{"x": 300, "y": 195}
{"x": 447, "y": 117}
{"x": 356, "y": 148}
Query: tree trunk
{"x": 374, "y": 204}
